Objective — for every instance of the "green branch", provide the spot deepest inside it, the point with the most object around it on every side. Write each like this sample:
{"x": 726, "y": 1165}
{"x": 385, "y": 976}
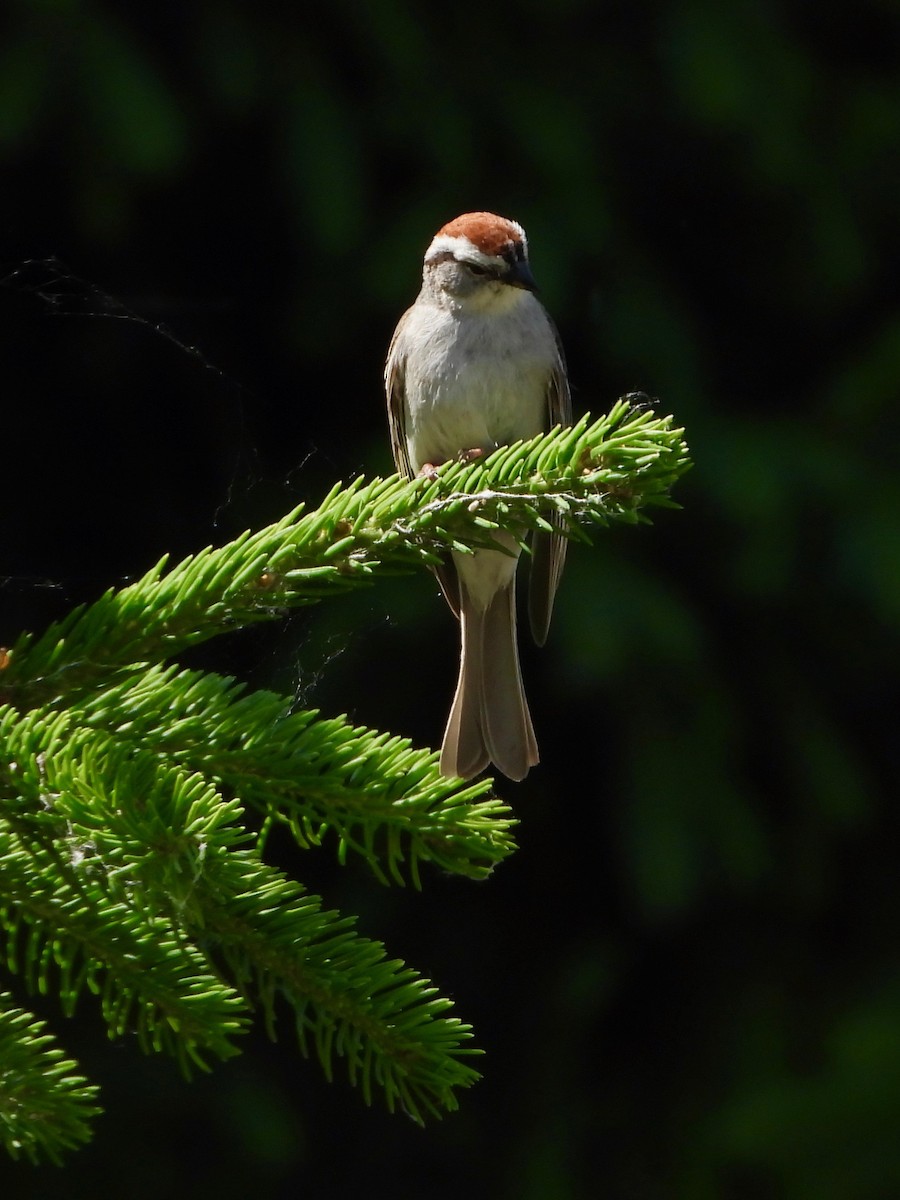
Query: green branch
{"x": 378, "y": 796}
{"x": 594, "y": 473}
{"x": 45, "y": 1106}
{"x": 159, "y": 890}
{"x": 128, "y": 870}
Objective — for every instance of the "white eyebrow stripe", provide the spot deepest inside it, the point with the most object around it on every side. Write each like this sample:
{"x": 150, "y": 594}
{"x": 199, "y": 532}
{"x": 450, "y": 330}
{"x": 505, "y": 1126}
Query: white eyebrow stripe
{"x": 461, "y": 247}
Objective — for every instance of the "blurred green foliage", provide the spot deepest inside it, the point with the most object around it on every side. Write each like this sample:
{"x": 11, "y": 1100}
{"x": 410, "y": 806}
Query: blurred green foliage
{"x": 709, "y": 850}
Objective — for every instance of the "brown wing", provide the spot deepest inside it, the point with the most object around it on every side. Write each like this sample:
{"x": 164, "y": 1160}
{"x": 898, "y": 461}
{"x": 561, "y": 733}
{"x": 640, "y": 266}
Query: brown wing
{"x": 548, "y": 550}
{"x": 395, "y": 391}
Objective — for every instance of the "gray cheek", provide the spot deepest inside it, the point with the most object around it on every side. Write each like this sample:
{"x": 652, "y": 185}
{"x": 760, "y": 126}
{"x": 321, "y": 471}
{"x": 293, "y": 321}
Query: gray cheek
{"x": 453, "y": 280}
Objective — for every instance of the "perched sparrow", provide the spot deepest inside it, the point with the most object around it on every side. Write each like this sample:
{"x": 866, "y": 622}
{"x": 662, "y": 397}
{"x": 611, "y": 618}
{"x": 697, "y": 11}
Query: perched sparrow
{"x": 476, "y": 364}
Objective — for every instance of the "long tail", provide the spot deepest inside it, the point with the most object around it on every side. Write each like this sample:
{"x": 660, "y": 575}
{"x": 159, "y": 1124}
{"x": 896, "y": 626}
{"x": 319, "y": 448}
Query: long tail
{"x": 489, "y": 719}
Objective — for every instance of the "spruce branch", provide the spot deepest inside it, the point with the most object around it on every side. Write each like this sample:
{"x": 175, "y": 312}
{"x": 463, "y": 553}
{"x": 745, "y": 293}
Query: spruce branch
{"x": 163, "y": 894}
{"x": 128, "y": 868}
{"x": 73, "y": 913}
{"x": 380, "y": 797}
{"x": 45, "y": 1106}
{"x": 595, "y": 472}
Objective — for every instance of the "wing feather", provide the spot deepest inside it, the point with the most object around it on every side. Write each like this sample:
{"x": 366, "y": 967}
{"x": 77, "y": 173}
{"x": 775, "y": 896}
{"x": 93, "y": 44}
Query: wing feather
{"x": 548, "y": 550}
{"x": 395, "y": 391}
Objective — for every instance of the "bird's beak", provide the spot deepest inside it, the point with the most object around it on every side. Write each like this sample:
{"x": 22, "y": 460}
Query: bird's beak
{"x": 519, "y": 275}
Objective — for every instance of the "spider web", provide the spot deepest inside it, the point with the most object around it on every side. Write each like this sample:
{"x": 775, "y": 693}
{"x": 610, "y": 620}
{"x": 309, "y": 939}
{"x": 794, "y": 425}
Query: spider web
{"x": 60, "y": 292}
{"x": 66, "y": 294}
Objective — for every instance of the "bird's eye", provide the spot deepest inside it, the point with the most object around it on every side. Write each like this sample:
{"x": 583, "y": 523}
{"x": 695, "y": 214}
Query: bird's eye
{"x": 476, "y": 269}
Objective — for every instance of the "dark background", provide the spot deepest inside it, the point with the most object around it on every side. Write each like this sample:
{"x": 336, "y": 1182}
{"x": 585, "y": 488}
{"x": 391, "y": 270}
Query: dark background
{"x": 687, "y": 979}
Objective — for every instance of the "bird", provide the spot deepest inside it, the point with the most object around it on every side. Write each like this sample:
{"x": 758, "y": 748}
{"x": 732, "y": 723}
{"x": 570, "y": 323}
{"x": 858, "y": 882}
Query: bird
{"x": 476, "y": 363}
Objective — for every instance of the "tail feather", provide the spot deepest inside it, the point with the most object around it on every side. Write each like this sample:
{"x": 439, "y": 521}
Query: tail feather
{"x": 489, "y": 719}
{"x": 464, "y": 752}
{"x": 506, "y": 721}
